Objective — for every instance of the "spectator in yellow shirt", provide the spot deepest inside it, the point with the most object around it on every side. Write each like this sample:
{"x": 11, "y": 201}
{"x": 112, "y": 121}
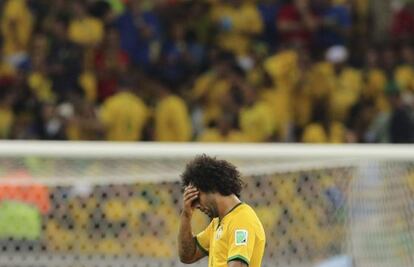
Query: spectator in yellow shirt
{"x": 348, "y": 83}
{"x": 16, "y": 30}
{"x": 237, "y": 22}
{"x": 317, "y": 133}
{"x": 404, "y": 74}
{"x": 84, "y": 29}
{"x": 224, "y": 132}
{"x": 256, "y": 118}
{"x": 172, "y": 120}
{"x": 124, "y": 115}
{"x": 375, "y": 81}
{"x": 283, "y": 68}
{"x": 210, "y": 88}
{"x": 6, "y": 114}
{"x": 279, "y": 101}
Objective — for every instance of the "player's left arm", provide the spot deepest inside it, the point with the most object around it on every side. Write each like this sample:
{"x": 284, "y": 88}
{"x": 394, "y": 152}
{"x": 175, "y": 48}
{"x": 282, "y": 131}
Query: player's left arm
{"x": 237, "y": 263}
{"x": 241, "y": 243}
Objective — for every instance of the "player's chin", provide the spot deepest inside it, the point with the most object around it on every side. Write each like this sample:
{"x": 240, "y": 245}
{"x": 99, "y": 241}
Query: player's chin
{"x": 208, "y": 213}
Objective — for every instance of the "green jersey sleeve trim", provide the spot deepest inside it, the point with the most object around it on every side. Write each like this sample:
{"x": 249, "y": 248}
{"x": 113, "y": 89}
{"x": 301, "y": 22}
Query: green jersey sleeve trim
{"x": 238, "y": 257}
{"x": 205, "y": 251}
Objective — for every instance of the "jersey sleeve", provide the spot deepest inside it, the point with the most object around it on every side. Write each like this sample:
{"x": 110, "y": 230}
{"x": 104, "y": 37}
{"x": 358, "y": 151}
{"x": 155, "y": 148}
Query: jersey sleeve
{"x": 241, "y": 240}
{"x": 203, "y": 238}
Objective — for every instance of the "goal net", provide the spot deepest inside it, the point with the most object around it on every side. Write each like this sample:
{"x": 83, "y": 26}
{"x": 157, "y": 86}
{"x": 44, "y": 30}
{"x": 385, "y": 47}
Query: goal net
{"x": 104, "y": 204}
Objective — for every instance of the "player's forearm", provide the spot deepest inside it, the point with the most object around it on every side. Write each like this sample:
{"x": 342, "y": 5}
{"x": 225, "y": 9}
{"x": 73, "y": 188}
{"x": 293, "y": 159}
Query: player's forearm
{"x": 186, "y": 244}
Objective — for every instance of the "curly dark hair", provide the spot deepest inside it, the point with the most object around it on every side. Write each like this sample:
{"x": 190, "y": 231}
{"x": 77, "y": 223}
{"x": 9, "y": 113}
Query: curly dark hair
{"x": 212, "y": 175}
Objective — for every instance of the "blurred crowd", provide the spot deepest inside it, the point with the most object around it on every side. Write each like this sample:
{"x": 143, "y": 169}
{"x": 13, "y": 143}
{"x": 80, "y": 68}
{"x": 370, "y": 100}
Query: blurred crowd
{"x": 320, "y": 71}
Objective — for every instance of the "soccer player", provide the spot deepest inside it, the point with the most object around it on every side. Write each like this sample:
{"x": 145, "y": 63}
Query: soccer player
{"x": 235, "y": 236}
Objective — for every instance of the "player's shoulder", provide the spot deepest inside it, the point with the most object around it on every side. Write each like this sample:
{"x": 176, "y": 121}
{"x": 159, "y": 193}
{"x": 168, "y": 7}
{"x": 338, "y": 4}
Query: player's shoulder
{"x": 244, "y": 212}
{"x": 244, "y": 207}
{"x": 244, "y": 217}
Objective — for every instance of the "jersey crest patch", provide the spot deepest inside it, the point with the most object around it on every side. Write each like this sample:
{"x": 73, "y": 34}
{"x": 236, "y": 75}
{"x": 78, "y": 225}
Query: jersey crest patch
{"x": 241, "y": 237}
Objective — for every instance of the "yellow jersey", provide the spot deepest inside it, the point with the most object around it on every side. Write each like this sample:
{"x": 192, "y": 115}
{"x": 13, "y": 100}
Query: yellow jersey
{"x": 257, "y": 122}
{"x": 172, "y": 121}
{"x": 124, "y": 116}
{"x": 88, "y": 31}
{"x": 238, "y": 236}
{"x": 6, "y": 122}
{"x": 16, "y": 27}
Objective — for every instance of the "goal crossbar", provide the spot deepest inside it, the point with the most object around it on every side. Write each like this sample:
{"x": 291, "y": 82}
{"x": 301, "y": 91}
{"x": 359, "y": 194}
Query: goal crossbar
{"x": 149, "y": 150}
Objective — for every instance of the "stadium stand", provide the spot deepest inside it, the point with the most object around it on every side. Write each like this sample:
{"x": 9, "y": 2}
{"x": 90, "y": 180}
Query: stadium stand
{"x": 324, "y": 71}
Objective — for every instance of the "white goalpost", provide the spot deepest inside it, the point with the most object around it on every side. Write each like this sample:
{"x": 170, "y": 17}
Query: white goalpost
{"x": 117, "y": 204}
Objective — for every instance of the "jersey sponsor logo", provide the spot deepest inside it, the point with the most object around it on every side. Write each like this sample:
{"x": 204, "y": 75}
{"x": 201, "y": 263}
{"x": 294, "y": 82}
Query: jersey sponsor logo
{"x": 241, "y": 237}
